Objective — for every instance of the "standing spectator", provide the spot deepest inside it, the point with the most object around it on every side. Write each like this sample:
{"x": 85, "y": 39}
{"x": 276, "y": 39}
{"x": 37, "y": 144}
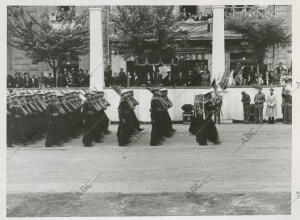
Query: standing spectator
{"x": 286, "y": 104}
{"x": 271, "y": 111}
{"x": 34, "y": 81}
{"x": 42, "y": 80}
{"x": 61, "y": 80}
{"x": 70, "y": 80}
{"x": 50, "y": 82}
{"x": 86, "y": 82}
{"x": 279, "y": 69}
{"x": 107, "y": 76}
{"x": 81, "y": 77}
{"x": 246, "y": 106}
{"x": 189, "y": 79}
{"x": 19, "y": 80}
{"x": 27, "y": 81}
{"x": 205, "y": 78}
{"x": 122, "y": 78}
{"x": 75, "y": 77}
{"x": 217, "y": 101}
{"x": 134, "y": 79}
{"x": 10, "y": 81}
{"x": 168, "y": 81}
{"x": 251, "y": 76}
{"x": 180, "y": 80}
{"x": 149, "y": 78}
{"x": 259, "y": 105}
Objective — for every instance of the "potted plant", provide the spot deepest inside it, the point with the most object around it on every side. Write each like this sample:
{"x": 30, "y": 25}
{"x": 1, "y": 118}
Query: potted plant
{"x": 187, "y": 113}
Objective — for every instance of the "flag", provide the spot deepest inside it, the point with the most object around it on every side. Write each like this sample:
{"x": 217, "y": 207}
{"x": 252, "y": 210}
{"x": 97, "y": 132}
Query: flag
{"x": 214, "y": 84}
{"x": 224, "y": 80}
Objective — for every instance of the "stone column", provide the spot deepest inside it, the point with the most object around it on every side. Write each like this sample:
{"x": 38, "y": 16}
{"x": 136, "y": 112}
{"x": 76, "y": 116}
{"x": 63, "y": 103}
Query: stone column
{"x": 96, "y": 50}
{"x": 218, "y": 43}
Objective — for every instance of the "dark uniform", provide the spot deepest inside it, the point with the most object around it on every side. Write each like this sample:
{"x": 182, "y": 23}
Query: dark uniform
{"x": 217, "y": 103}
{"x": 286, "y": 106}
{"x": 133, "y": 103}
{"x": 246, "y": 106}
{"x": 259, "y": 106}
{"x": 202, "y": 125}
{"x": 54, "y": 131}
{"x": 88, "y": 116}
{"x": 125, "y": 123}
{"x": 157, "y": 119}
{"x": 168, "y": 128}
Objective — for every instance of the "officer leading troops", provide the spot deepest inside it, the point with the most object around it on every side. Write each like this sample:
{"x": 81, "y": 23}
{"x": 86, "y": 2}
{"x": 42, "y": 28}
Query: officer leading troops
{"x": 89, "y": 112}
{"x": 125, "y": 124}
{"x": 54, "y": 129}
{"x": 246, "y": 106}
{"x": 259, "y": 105}
{"x": 157, "y": 120}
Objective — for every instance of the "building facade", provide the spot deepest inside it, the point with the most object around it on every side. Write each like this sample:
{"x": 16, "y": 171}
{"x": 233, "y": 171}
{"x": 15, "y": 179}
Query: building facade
{"x": 198, "y": 50}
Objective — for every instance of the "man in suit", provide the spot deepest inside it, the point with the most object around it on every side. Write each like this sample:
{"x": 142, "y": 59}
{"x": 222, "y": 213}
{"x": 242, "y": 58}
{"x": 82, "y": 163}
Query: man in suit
{"x": 18, "y": 80}
{"x": 246, "y": 106}
{"x": 27, "y": 81}
{"x": 259, "y": 105}
{"x": 180, "y": 80}
{"x": 107, "y": 76}
{"x": 50, "y": 82}
{"x": 122, "y": 78}
{"x": 34, "y": 82}
{"x": 168, "y": 80}
{"x": 61, "y": 80}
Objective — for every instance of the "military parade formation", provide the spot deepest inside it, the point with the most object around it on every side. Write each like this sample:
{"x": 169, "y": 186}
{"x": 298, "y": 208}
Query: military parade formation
{"x": 61, "y": 115}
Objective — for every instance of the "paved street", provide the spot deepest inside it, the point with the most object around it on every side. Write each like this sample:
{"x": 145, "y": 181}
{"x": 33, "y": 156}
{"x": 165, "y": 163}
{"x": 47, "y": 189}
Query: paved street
{"x": 145, "y": 180}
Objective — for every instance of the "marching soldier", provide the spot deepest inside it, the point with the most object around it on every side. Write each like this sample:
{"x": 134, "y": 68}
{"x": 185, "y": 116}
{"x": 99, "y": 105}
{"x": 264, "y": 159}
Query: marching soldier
{"x": 202, "y": 125}
{"x": 53, "y": 113}
{"x": 134, "y": 103}
{"x": 125, "y": 127}
{"x": 89, "y": 112}
{"x": 246, "y": 106}
{"x": 217, "y": 103}
{"x": 169, "y": 130}
{"x": 157, "y": 119}
{"x": 259, "y": 105}
{"x": 104, "y": 104}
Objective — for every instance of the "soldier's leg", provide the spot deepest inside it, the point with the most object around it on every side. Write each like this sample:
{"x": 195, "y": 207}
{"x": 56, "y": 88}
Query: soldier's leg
{"x": 261, "y": 115}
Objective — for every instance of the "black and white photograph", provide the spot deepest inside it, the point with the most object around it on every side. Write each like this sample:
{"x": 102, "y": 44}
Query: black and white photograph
{"x": 138, "y": 110}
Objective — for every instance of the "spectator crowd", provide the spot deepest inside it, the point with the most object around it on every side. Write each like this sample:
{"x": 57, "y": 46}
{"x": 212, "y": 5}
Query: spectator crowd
{"x": 190, "y": 17}
{"x": 242, "y": 75}
{"x": 65, "y": 78}
{"x": 197, "y": 75}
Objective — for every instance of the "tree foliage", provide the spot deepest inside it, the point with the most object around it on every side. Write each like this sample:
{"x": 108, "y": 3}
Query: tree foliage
{"x": 43, "y": 42}
{"x": 261, "y": 28}
{"x": 147, "y": 30}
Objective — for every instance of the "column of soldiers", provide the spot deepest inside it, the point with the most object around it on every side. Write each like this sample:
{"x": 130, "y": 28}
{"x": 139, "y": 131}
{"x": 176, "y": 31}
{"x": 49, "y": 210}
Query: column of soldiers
{"x": 59, "y": 117}
{"x": 95, "y": 120}
{"x": 129, "y": 125}
{"x": 160, "y": 118}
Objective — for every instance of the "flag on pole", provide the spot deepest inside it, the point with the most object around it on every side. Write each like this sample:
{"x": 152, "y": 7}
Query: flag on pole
{"x": 224, "y": 80}
{"x": 214, "y": 84}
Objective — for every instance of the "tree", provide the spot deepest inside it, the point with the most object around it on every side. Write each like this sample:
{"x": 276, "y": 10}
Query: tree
{"x": 43, "y": 42}
{"x": 150, "y": 30}
{"x": 261, "y": 28}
